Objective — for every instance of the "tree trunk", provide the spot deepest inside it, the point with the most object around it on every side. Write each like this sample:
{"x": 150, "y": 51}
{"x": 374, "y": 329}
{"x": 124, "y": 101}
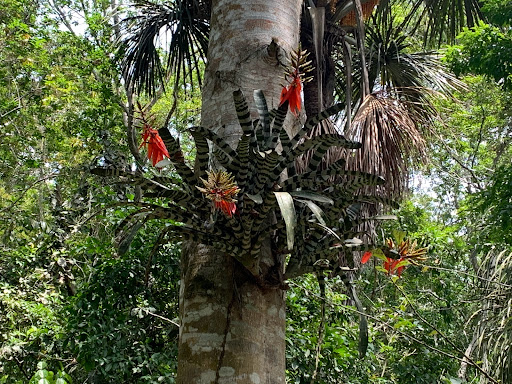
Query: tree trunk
{"x": 233, "y": 324}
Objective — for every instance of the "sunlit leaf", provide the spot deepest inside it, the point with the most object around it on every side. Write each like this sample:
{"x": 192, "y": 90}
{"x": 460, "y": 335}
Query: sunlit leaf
{"x": 285, "y": 201}
{"x": 317, "y": 211}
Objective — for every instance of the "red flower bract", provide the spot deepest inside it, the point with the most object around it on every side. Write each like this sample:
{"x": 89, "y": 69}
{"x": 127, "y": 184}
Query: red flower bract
{"x": 155, "y": 145}
{"x": 221, "y": 189}
{"x": 390, "y": 265}
{"x": 228, "y": 207}
{"x": 366, "y": 257}
{"x": 291, "y": 93}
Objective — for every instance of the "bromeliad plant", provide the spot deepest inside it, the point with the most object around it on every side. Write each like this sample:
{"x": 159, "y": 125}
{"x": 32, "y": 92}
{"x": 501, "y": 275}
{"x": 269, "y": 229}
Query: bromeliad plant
{"x": 397, "y": 253}
{"x": 257, "y": 195}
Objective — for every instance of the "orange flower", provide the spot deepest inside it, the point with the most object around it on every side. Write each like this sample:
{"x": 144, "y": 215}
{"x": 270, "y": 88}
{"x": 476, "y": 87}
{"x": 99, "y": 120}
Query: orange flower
{"x": 391, "y": 265}
{"x": 155, "y": 145}
{"x": 295, "y": 75}
{"x": 404, "y": 253}
{"x": 366, "y": 257}
{"x": 291, "y": 93}
{"x": 221, "y": 189}
{"x": 228, "y": 207}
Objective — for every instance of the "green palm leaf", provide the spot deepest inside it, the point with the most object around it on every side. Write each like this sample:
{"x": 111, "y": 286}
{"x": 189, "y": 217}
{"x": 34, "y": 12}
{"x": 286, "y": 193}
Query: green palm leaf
{"x": 183, "y": 25}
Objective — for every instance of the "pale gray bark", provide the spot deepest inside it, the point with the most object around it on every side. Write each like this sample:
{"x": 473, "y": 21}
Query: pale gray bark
{"x": 233, "y": 325}
{"x": 249, "y": 41}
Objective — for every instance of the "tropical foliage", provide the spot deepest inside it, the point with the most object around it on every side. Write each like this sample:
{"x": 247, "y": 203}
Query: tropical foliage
{"x": 89, "y": 284}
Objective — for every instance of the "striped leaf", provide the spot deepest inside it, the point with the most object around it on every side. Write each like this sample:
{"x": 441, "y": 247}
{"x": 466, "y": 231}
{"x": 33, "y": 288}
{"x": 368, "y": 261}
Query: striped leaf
{"x": 326, "y": 141}
{"x": 279, "y": 117}
{"x": 178, "y": 160}
{"x": 315, "y": 209}
{"x": 131, "y": 178}
{"x": 261, "y": 106}
{"x": 312, "y": 196}
{"x": 223, "y": 159}
{"x": 180, "y": 198}
{"x": 202, "y": 152}
{"x": 377, "y": 200}
{"x": 216, "y": 139}
{"x": 310, "y": 124}
{"x": 241, "y": 162}
{"x": 264, "y": 171}
{"x": 242, "y": 112}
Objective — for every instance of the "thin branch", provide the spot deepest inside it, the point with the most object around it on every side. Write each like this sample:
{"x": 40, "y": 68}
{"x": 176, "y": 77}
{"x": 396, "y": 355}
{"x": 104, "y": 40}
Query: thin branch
{"x": 464, "y": 364}
{"x": 347, "y": 60}
{"x": 173, "y": 108}
{"x": 466, "y": 358}
{"x": 475, "y": 152}
{"x": 130, "y": 128}
{"x": 11, "y": 111}
{"x": 475, "y": 178}
{"x": 160, "y": 317}
{"x": 22, "y": 368}
{"x": 7, "y": 209}
{"x": 62, "y": 17}
{"x": 354, "y": 310}
{"x": 154, "y": 251}
{"x": 467, "y": 274}
{"x": 321, "y": 327}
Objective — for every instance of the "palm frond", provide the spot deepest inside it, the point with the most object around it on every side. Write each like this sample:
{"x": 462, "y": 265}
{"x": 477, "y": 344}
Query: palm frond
{"x": 389, "y": 137}
{"x": 446, "y": 18}
{"x": 440, "y": 20}
{"x": 181, "y": 25}
{"x": 392, "y": 65}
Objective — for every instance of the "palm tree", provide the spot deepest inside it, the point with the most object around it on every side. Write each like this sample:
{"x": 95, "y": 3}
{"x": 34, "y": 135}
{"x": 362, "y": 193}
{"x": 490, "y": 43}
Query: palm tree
{"x": 234, "y": 268}
{"x": 328, "y": 29}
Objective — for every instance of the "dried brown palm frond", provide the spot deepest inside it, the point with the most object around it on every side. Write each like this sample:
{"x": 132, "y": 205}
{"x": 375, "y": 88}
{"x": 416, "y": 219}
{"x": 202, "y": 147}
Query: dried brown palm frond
{"x": 391, "y": 139}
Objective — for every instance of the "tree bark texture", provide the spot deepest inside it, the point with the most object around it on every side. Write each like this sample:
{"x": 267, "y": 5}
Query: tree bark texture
{"x": 232, "y": 325}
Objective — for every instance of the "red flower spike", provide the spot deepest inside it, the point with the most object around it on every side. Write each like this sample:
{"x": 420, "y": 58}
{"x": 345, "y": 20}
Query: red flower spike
{"x": 221, "y": 189}
{"x": 387, "y": 264}
{"x": 291, "y": 93}
{"x": 227, "y": 207}
{"x": 366, "y": 257}
{"x": 295, "y": 75}
{"x": 155, "y": 145}
{"x": 390, "y": 265}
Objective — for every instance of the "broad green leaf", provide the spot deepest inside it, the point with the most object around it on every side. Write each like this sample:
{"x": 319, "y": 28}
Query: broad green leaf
{"x": 398, "y": 236}
{"x": 163, "y": 163}
{"x": 256, "y": 198}
{"x": 403, "y": 263}
{"x": 353, "y": 242}
{"x": 285, "y": 201}
{"x": 377, "y": 252}
{"x": 328, "y": 230}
